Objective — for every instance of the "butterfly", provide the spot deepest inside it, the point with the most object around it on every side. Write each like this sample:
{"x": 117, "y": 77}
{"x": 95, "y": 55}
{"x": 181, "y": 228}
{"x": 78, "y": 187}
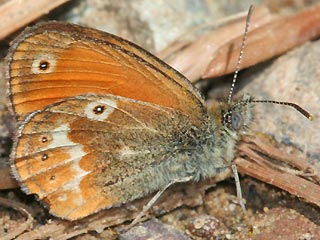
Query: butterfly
{"x": 101, "y": 122}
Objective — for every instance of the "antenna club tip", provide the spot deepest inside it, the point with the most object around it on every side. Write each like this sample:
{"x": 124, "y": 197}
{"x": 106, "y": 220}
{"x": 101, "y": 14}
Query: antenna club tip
{"x": 311, "y": 118}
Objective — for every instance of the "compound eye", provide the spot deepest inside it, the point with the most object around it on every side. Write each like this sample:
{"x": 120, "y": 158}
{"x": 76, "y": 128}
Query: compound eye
{"x": 236, "y": 120}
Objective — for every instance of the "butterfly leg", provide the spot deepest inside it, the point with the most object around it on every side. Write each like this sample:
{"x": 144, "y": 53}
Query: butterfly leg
{"x": 153, "y": 200}
{"x": 238, "y": 187}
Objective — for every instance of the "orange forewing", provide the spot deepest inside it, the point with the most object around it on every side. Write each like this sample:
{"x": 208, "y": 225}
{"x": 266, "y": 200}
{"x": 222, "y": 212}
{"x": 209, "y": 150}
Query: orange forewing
{"x": 83, "y": 60}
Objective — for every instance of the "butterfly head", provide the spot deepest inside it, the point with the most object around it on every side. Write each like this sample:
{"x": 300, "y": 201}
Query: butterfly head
{"x": 237, "y": 116}
{"x": 232, "y": 117}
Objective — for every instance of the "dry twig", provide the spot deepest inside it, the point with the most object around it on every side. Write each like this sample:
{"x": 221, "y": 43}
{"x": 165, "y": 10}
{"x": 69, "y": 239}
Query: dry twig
{"x": 23, "y": 210}
{"x": 15, "y": 14}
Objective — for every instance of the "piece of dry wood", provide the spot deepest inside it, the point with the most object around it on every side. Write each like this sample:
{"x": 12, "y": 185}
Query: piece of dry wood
{"x": 15, "y": 14}
{"x": 24, "y": 211}
{"x": 275, "y": 173}
{"x": 295, "y": 185}
{"x": 267, "y": 41}
{"x": 262, "y": 145}
{"x": 191, "y": 58}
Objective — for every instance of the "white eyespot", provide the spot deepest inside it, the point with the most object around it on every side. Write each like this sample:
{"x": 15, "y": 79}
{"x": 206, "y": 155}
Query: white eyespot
{"x": 43, "y": 63}
{"x": 101, "y": 110}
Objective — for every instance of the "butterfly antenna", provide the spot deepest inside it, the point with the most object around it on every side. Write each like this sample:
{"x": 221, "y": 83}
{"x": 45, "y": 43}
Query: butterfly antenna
{"x": 295, "y": 106}
{"x": 241, "y": 54}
